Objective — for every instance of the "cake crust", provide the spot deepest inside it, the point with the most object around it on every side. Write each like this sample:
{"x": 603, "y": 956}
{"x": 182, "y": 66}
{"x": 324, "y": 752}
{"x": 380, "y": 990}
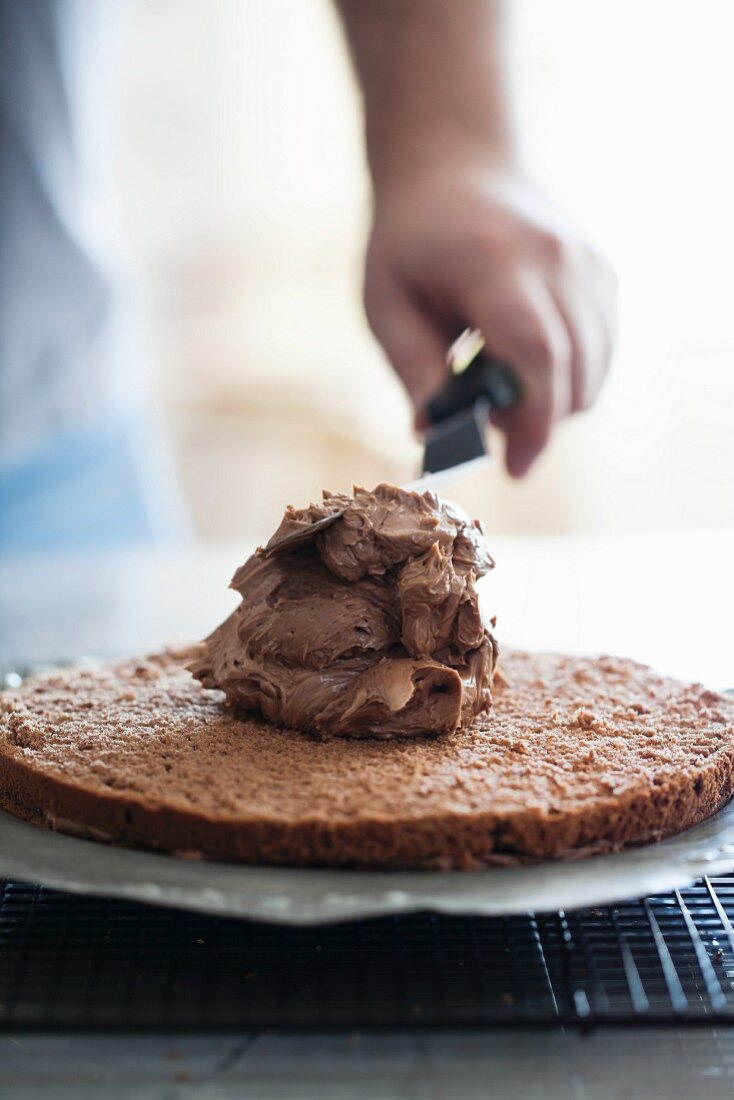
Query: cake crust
{"x": 579, "y": 755}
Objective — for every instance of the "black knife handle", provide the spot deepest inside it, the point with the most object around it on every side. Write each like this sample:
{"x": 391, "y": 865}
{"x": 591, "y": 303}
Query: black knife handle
{"x": 483, "y": 380}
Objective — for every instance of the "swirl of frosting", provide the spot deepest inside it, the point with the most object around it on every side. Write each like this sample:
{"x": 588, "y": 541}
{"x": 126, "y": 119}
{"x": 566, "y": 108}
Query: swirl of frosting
{"x": 360, "y": 618}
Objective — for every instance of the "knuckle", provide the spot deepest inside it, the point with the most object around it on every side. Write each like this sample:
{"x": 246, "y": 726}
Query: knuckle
{"x": 555, "y": 249}
{"x": 587, "y": 391}
{"x": 602, "y": 272}
{"x": 493, "y": 240}
{"x": 583, "y": 399}
{"x": 539, "y": 349}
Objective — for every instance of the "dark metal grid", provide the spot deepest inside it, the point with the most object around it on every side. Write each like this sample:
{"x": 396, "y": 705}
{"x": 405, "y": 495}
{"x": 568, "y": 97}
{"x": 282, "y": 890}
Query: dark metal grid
{"x": 70, "y": 961}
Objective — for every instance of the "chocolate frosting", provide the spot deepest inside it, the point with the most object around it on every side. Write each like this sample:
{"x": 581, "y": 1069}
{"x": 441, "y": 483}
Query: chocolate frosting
{"x": 360, "y": 618}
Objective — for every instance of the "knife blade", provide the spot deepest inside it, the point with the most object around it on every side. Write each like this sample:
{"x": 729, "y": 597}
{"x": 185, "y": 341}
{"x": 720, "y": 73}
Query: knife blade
{"x": 456, "y": 439}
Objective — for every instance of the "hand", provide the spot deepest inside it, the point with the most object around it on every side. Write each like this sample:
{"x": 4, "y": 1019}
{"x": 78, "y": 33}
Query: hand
{"x": 477, "y": 246}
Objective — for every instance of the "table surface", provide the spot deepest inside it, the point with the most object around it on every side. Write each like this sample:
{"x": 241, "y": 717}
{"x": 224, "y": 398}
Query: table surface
{"x": 666, "y": 599}
{"x": 664, "y": 1064}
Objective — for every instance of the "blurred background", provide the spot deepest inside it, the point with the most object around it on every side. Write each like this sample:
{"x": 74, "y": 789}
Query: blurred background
{"x": 240, "y": 190}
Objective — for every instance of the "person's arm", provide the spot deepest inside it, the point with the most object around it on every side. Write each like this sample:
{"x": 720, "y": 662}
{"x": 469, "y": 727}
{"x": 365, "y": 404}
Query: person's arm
{"x": 459, "y": 237}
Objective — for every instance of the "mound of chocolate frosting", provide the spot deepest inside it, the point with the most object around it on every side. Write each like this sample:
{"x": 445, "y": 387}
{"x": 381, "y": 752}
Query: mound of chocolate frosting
{"x": 360, "y": 618}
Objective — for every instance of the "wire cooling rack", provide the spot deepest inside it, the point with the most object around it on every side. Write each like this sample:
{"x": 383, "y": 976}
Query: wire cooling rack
{"x": 69, "y": 961}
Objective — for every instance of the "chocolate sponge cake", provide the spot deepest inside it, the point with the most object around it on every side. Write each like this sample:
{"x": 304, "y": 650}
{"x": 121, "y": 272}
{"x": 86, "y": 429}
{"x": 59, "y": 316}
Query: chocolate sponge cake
{"x": 577, "y": 756}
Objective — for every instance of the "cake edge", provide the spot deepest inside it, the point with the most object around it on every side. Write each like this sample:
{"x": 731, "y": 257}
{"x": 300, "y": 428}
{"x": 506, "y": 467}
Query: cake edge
{"x": 448, "y": 841}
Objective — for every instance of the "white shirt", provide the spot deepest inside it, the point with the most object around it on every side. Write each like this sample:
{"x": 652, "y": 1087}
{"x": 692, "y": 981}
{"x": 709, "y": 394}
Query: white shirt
{"x": 77, "y": 459}
{"x": 61, "y": 335}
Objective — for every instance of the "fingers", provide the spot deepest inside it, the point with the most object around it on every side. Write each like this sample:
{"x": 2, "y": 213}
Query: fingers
{"x": 524, "y": 328}
{"x": 586, "y": 300}
{"x": 553, "y": 323}
{"x": 413, "y": 342}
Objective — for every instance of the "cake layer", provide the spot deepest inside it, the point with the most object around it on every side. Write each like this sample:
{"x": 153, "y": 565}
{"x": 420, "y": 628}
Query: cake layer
{"x": 579, "y": 755}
